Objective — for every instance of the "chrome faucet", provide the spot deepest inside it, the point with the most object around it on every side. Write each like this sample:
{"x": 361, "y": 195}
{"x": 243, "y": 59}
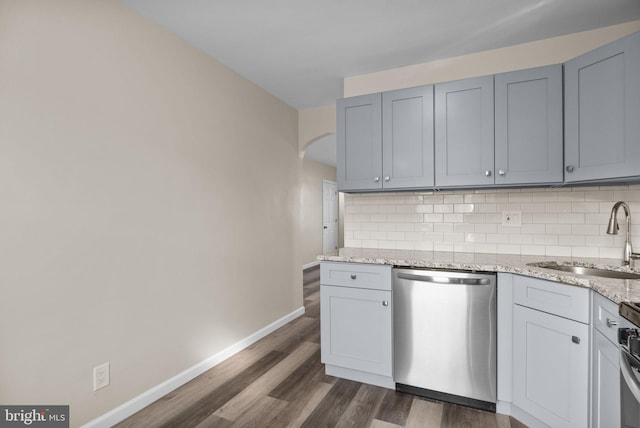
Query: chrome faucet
{"x": 612, "y": 229}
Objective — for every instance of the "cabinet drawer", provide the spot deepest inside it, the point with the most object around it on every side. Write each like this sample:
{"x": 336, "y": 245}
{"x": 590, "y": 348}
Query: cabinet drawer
{"x": 558, "y": 299}
{"x": 356, "y": 275}
{"x": 605, "y": 317}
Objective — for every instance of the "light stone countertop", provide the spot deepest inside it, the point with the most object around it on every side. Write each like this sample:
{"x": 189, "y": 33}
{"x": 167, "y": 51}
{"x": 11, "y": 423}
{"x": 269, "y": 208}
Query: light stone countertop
{"x": 617, "y": 290}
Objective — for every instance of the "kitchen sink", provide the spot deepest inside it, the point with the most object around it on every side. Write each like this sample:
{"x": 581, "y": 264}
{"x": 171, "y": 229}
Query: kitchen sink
{"x": 582, "y": 270}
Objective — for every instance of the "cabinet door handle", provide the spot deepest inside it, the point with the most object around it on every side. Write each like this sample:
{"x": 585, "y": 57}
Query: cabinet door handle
{"x": 353, "y": 276}
{"x": 376, "y": 179}
{"x": 575, "y": 339}
{"x": 385, "y": 303}
{"x": 487, "y": 173}
{"x": 611, "y": 323}
{"x": 387, "y": 178}
{"x": 502, "y": 172}
{"x": 569, "y": 168}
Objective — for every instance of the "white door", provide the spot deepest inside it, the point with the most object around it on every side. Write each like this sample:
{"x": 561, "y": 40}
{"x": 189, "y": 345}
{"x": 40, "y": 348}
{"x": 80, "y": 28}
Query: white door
{"x": 329, "y": 216}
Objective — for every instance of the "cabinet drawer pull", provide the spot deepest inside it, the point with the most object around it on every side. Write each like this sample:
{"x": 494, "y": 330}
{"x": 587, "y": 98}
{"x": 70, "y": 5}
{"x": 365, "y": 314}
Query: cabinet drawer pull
{"x": 575, "y": 339}
{"x": 611, "y": 323}
{"x": 487, "y": 173}
{"x": 502, "y": 172}
{"x": 385, "y": 303}
{"x": 376, "y": 179}
{"x": 387, "y": 178}
{"x": 353, "y": 276}
{"x": 569, "y": 168}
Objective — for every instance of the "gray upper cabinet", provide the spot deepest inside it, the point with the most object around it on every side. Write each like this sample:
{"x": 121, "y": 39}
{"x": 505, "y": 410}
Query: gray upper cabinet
{"x": 602, "y": 111}
{"x": 359, "y": 143}
{"x": 407, "y": 138}
{"x": 385, "y": 141}
{"x": 464, "y": 143}
{"x": 528, "y": 126}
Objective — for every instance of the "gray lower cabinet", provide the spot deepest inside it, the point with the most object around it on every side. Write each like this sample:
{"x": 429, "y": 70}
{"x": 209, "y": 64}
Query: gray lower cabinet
{"x": 356, "y": 322}
{"x": 602, "y": 107}
{"x": 528, "y": 126}
{"x": 385, "y": 141}
{"x": 551, "y": 367}
{"x": 605, "y": 364}
{"x": 550, "y": 359}
{"x": 464, "y": 143}
{"x": 605, "y": 383}
{"x": 359, "y": 143}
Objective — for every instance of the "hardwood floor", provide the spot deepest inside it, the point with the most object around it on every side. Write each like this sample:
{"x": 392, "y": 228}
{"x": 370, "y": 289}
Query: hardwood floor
{"x": 279, "y": 381}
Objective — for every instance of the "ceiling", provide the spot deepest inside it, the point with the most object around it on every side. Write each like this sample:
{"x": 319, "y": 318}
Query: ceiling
{"x": 301, "y": 50}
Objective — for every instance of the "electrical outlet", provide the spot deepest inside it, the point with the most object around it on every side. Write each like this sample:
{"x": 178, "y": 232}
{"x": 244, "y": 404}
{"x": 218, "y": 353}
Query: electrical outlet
{"x": 512, "y": 218}
{"x": 100, "y": 376}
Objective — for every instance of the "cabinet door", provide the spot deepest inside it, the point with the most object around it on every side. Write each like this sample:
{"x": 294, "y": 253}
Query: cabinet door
{"x": 355, "y": 329}
{"x": 407, "y": 139}
{"x": 605, "y": 375}
{"x": 464, "y": 132}
{"x": 550, "y": 370}
{"x": 528, "y": 126}
{"x": 602, "y": 107}
{"x": 359, "y": 142}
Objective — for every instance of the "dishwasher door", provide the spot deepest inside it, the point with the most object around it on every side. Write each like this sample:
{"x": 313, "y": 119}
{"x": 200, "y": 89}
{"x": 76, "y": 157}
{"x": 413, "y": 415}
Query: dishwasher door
{"x": 445, "y": 335}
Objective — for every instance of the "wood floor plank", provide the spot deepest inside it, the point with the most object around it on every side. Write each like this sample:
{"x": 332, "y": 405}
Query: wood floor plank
{"x": 424, "y": 414}
{"x": 207, "y": 404}
{"x": 284, "y": 336}
{"x": 212, "y": 421}
{"x": 377, "y": 423}
{"x": 265, "y": 409}
{"x": 459, "y": 416}
{"x": 359, "y": 413}
{"x": 395, "y": 408}
{"x": 240, "y": 403}
{"x": 503, "y": 421}
{"x": 174, "y": 402}
{"x": 307, "y": 333}
{"x": 330, "y": 409}
{"x": 312, "y": 309}
{"x": 297, "y": 381}
{"x": 297, "y": 411}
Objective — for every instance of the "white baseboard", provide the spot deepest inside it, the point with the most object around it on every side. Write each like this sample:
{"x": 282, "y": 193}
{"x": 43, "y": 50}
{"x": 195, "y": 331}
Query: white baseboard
{"x": 136, "y": 404}
{"x": 310, "y": 265}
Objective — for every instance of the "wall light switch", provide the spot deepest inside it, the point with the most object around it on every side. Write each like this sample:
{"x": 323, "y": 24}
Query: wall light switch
{"x": 512, "y": 218}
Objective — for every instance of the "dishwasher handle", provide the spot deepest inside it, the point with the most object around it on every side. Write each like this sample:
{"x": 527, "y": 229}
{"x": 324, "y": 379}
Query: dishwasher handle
{"x": 444, "y": 279}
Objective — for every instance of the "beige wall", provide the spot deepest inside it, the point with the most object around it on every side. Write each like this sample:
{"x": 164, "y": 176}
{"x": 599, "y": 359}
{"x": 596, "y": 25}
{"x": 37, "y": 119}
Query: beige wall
{"x": 313, "y": 173}
{"x": 315, "y": 123}
{"x": 544, "y": 52}
{"x": 150, "y": 205}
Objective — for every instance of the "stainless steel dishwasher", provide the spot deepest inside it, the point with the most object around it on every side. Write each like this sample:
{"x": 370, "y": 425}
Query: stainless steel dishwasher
{"x": 444, "y": 327}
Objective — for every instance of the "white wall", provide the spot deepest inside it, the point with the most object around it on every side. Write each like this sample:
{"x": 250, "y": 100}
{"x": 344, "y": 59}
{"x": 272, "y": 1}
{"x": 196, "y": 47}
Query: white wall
{"x": 567, "y": 221}
{"x": 150, "y": 205}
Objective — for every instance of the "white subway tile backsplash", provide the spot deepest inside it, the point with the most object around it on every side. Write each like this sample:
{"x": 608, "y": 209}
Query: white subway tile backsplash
{"x": 432, "y": 218}
{"x": 568, "y": 221}
{"x": 453, "y": 218}
{"x": 557, "y": 251}
{"x": 443, "y": 227}
{"x": 574, "y": 218}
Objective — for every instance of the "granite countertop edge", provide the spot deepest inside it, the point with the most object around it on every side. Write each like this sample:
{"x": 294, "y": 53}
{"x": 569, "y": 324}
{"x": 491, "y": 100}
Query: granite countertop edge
{"x": 617, "y": 290}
